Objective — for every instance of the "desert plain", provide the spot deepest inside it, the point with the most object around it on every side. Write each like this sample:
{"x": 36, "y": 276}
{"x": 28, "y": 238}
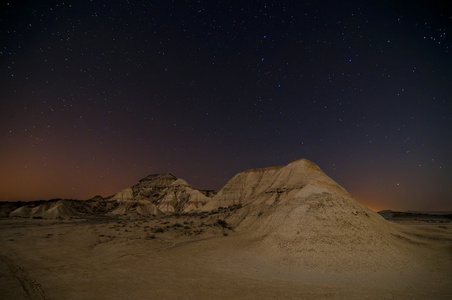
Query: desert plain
{"x": 276, "y": 233}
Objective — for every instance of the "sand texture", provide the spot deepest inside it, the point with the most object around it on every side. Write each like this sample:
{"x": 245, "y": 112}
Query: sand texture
{"x": 282, "y": 232}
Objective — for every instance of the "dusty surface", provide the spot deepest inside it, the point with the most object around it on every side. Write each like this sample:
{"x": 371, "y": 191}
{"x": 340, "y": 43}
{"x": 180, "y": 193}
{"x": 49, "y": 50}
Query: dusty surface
{"x": 195, "y": 257}
{"x": 286, "y": 232}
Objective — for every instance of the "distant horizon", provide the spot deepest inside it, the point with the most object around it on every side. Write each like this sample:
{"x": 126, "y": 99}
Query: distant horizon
{"x": 408, "y": 210}
{"x": 73, "y": 199}
{"x": 375, "y": 206}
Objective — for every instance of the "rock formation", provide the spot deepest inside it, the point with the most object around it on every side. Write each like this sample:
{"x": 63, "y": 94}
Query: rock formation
{"x": 267, "y": 185}
{"x": 293, "y": 212}
{"x": 160, "y": 193}
{"x": 153, "y": 195}
{"x": 296, "y": 211}
{"x": 53, "y": 209}
{"x": 23, "y": 212}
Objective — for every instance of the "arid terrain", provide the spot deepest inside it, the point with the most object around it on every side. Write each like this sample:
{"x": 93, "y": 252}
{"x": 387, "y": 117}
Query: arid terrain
{"x": 284, "y": 232}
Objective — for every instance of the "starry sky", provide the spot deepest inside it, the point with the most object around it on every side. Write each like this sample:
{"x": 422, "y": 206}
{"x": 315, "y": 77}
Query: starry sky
{"x": 95, "y": 95}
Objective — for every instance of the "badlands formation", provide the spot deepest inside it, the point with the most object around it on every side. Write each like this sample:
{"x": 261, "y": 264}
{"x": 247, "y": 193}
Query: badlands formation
{"x": 278, "y": 232}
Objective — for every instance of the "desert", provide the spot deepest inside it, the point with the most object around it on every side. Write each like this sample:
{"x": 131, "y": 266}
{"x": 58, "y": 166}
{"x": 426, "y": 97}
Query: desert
{"x": 288, "y": 232}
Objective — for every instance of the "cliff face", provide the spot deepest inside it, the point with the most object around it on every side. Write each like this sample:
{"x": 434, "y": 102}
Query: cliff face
{"x": 159, "y": 193}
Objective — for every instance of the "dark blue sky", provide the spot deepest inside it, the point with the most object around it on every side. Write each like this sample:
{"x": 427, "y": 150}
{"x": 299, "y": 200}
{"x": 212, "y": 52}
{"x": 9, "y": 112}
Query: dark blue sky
{"x": 96, "y": 95}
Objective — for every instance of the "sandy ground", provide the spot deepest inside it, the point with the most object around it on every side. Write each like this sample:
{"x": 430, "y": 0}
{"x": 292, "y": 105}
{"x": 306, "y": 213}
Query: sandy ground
{"x": 186, "y": 257}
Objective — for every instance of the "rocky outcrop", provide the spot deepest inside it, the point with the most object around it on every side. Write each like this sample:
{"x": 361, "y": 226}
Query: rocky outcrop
{"x": 22, "y": 212}
{"x": 295, "y": 212}
{"x": 164, "y": 192}
{"x": 53, "y": 209}
{"x": 267, "y": 186}
{"x": 140, "y": 207}
{"x": 153, "y": 195}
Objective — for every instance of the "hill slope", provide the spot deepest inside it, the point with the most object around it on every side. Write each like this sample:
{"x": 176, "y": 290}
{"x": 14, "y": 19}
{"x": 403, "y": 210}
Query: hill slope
{"x": 297, "y": 214}
{"x": 157, "y": 194}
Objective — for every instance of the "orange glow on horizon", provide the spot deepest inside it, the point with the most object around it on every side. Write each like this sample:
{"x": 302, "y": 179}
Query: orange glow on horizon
{"x": 373, "y": 204}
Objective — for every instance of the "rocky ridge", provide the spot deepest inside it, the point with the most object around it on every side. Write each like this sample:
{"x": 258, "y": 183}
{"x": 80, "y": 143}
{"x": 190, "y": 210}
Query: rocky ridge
{"x": 154, "y": 195}
{"x": 289, "y": 220}
{"x": 159, "y": 193}
{"x": 292, "y": 213}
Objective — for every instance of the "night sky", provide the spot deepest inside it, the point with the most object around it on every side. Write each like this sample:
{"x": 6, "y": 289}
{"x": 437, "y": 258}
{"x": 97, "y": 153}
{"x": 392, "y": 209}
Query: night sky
{"x": 95, "y": 95}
